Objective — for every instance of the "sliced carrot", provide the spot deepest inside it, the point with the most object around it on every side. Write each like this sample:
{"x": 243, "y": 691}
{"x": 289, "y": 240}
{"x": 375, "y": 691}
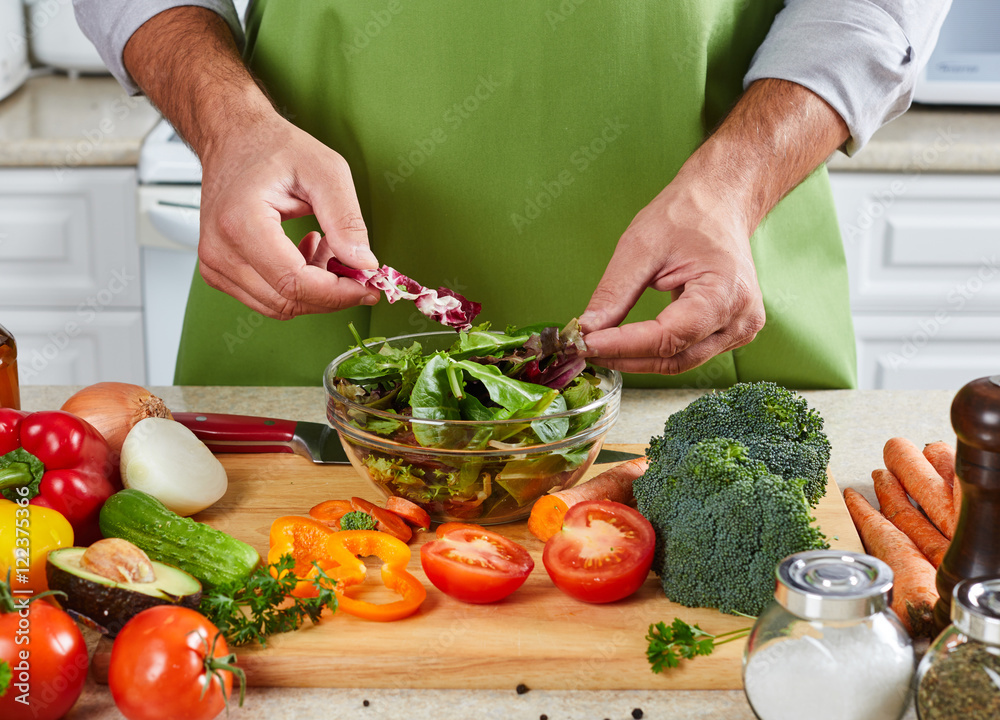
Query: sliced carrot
{"x": 388, "y": 522}
{"x": 329, "y": 512}
{"x": 614, "y": 484}
{"x": 897, "y": 509}
{"x": 409, "y": 511}
{"x": 922, "y": 482}
{"x": 942, "y": 456}
{"x": 914, "y": 592}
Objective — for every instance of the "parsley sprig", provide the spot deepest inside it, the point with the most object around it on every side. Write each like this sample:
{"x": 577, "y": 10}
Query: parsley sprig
{"x": 669, "y": 643}
{"x": 260, "y": 609}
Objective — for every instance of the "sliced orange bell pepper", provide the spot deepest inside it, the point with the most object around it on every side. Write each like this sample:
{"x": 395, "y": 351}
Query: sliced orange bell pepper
{"x": 307, "y": 540}
{"x": 395, "y": 555}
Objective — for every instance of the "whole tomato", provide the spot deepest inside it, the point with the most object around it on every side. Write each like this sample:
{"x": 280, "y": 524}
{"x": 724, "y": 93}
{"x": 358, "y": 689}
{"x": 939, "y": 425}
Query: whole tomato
{"x": 47, "y": 657}
{"x": 171, "y": 662}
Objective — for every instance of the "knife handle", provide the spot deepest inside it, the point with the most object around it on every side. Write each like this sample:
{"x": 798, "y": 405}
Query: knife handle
{"x": 239, "y": 433}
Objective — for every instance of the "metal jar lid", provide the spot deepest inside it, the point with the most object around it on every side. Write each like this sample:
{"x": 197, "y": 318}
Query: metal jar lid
{"x": 976, "y": 609}
{"x": 833, "y": 585}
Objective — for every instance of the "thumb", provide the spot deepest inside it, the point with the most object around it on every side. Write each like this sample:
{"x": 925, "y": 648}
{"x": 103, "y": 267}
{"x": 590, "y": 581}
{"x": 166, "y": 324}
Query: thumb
{"x": 619, "y": 290}
{"x": 335, "y": 204}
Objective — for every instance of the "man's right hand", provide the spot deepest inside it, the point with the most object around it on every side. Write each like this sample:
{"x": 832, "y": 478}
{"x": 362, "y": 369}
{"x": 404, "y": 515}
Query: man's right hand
{"x": 257, "y": 170}
{"x": 251, "y": 181}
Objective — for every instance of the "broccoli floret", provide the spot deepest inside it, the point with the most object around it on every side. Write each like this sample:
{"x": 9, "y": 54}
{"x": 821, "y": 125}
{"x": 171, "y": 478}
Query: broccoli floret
{"x": 357, "y": 520}
{"x": 774, "y": 424}
{"x": 723, "y": 522}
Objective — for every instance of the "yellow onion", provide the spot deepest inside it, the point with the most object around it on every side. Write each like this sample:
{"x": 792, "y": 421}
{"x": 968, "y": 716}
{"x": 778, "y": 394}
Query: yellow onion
{"x": 114, "y": 408}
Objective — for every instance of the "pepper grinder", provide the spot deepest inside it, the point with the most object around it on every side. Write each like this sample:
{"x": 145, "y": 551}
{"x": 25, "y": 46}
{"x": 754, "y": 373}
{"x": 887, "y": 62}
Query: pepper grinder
{"x": 975, "y": 548}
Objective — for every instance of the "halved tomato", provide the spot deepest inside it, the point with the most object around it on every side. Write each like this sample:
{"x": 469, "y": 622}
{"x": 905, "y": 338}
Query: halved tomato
{"x": 603, "y": 552}
{"x": 475, "y": 565}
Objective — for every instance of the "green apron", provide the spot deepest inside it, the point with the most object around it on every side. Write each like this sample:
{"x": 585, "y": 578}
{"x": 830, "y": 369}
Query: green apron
{"x": 500, "y": 148}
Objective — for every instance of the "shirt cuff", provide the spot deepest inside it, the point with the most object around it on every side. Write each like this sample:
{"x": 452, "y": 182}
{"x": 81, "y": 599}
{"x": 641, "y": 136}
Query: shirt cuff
{"x": 854, "y": 55}
{"x": 110, "y": 23}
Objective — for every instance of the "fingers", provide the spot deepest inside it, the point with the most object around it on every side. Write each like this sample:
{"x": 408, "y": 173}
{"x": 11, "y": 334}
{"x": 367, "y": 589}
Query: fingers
{"x": 270, "y": 275}
{"x": 329, "y": 189}
{"x": 703, "y": 321}
{"x": 626, "y": 277}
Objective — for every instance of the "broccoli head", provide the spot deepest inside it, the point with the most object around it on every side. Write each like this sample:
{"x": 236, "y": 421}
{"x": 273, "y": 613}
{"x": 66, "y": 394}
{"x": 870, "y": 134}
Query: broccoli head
{"x": 775, "y": 425}
{"x": 357, "y": 520}
{"x": 723, "y": 522}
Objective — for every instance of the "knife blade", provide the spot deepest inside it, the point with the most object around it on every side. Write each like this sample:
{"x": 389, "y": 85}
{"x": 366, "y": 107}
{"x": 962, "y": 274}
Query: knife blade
{"x": 320, "y": 443}
{"x": 224, "y": 433}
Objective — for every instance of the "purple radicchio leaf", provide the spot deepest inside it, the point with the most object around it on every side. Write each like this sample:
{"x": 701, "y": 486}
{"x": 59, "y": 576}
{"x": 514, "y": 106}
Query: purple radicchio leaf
{"x": 560, "y": 356}
{"x": 442, "y": 305}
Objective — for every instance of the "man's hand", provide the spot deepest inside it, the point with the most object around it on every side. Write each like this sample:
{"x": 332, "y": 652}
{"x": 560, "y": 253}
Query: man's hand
{"x": 693, "y": 239}
{"x": 257, "y": 170}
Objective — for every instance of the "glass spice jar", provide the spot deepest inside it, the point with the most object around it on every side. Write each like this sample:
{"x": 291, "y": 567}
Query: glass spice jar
{"x": 959, "y": 677}
{"x": 828, "y": 647}
{"x": 10, "y": 393}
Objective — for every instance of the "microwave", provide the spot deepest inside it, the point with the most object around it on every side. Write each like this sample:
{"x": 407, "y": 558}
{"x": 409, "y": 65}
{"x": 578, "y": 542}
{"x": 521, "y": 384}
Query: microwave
{"x": 964, "y": 68}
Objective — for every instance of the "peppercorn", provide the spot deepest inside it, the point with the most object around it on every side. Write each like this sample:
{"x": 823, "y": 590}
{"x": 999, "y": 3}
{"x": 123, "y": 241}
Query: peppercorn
{"x": 522, "y": 688}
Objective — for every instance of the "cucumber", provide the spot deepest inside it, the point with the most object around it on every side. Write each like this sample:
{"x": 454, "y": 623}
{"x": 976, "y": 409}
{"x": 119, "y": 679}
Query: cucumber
{"x": 212, "y": 556}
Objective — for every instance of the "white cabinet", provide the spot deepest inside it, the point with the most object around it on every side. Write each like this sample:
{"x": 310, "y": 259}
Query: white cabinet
{"x": 923, "y": 254}
{"x": 70, "y": 288}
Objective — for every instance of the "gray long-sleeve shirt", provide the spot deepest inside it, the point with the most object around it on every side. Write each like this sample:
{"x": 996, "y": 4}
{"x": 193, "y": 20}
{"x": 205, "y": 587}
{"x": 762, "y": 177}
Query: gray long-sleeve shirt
{"x": 860, "y": 56}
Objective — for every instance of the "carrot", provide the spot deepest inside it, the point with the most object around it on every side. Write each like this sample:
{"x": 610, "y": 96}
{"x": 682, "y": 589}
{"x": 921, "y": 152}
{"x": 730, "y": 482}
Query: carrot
{"x": 913, "y": 592}
{"x": 412, "y": 513}
{"x": 329, "y": 512}
{"x": 898, "y": 510}
{"x": 613, "y": 484}
{"x": 904, "y": 460}
{"x": 942, "y": 456}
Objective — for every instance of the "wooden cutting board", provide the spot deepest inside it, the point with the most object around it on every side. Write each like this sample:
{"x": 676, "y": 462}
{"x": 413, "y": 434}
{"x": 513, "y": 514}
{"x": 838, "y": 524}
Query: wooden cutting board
{"x": 538, "y": 636}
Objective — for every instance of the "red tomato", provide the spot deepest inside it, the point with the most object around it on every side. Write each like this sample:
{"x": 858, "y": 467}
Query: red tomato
{"x": 161, "y": 669}
{"x": 475, "y": 565}
{"x": 48, "y": 658}
{"x": 445, "y": 528}
{"x": 603, "y": 552}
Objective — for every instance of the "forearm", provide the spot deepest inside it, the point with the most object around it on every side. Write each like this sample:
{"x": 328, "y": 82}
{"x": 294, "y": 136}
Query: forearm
{"x": 775, "y": 136}
{"x": 187, "y": 63}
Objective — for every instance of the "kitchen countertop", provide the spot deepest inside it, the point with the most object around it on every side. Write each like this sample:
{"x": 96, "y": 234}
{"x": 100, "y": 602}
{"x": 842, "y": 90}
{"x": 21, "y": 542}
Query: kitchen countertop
{"x": 58, "y": 121}
{"x": 857, "y": 422}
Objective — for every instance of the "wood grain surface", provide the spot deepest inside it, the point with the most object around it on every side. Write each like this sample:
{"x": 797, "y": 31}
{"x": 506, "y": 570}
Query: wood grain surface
{"x": 538, "y": 636}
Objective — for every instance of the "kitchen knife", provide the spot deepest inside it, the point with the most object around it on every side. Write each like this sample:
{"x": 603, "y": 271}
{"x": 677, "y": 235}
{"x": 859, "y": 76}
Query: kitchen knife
{"x": 320, "y": 443}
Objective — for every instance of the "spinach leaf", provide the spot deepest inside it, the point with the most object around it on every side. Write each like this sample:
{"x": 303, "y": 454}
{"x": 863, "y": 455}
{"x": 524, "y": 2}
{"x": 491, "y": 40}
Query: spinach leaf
{"x": 504, "y": 391}
{"x": 549, "y": 431}
{"x": 431, "y": 399}
{"x": 481, "y": 342}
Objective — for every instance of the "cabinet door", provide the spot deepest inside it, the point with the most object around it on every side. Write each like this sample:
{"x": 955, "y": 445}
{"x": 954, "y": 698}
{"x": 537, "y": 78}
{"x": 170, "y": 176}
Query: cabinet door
{"x": 67, "y": 238}
{"x": 936, "y": 351}
{"x": 920, "y": 242}
{"x": 60, "y": 347}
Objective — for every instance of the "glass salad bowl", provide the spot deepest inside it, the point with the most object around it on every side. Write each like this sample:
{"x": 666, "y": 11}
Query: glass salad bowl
{"x": 403, "y": 418}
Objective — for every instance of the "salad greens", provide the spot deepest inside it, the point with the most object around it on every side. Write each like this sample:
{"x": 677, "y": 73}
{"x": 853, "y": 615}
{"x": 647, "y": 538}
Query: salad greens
{"x": 528, "y": 373}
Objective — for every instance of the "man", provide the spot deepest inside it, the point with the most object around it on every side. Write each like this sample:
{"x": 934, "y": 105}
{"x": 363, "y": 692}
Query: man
{"x": 501, "y": 147}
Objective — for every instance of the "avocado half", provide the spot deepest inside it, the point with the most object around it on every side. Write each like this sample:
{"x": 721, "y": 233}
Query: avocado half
{"x": 111, "y": 604}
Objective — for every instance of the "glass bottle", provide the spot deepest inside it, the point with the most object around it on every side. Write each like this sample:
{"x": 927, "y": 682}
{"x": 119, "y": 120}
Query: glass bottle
{"x": 10, "y": 393}
{"x": 959, "y": 677}
{"x": 828, "y": 647}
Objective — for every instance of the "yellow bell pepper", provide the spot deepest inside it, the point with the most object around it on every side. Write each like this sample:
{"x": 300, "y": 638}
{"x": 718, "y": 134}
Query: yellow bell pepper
{"x": 30, "y": 532}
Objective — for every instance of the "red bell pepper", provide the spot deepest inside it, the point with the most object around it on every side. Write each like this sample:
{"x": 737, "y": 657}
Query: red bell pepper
{"x": 58, "y": 461}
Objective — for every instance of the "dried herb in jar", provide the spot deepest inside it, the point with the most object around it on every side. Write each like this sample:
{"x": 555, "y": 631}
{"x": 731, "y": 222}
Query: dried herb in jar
{"x": 962, "y": 684}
